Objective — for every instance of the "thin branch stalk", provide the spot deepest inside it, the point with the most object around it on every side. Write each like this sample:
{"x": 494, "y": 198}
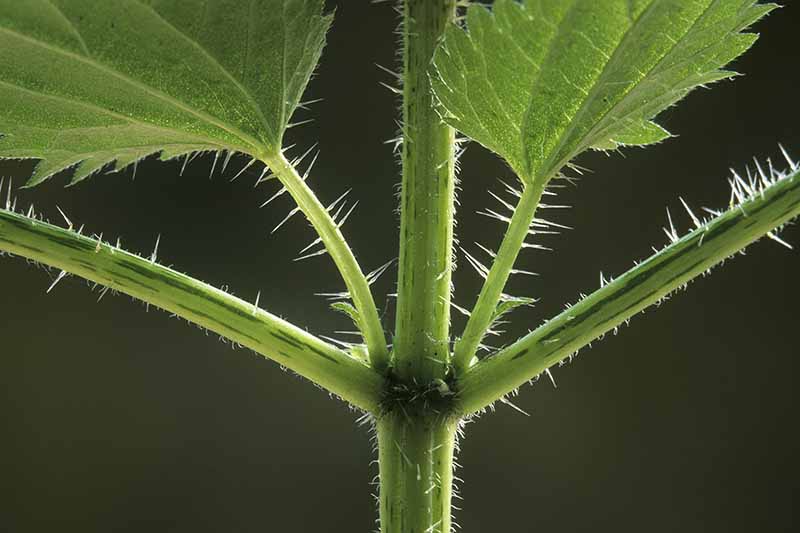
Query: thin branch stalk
{"x": 631, "y": 293}
{"x": 340, "y": 252}
{"x": 215, "y": 310}
{"x": 482, "y": 313}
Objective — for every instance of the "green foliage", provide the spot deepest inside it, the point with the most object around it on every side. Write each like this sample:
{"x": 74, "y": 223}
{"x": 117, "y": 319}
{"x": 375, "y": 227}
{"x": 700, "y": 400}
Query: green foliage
{"x": 539, "y": 82}
{"x": 509, "y": 303}
{"x": 100, "y": 84}
{"x": 89, "y": 84}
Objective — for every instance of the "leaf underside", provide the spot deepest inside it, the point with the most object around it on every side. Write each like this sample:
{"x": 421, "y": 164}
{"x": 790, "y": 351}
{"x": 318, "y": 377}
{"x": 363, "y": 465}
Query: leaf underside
{"x": 541, "y": 81}
{"x": 101, "y": 84}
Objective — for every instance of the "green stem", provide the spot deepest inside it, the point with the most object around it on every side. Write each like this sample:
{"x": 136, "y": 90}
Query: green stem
{"x": 368, "y": 320}
{"x": 211, "y": 308}
{"x": 480, "y": 319}
{"x": 421, "y": 343}
{"x": 416, "y": 472}
{"x": 637, "y": 289}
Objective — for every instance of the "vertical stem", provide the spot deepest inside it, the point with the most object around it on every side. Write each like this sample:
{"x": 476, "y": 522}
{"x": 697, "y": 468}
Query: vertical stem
{"x": 416, "y": 472}
{"x": 421, "y": 344}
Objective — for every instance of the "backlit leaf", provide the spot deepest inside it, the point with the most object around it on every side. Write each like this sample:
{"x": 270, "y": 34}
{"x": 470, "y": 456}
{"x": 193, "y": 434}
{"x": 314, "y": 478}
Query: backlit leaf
{"x": 89, "y": 83}
{"x": 540, "y": 81}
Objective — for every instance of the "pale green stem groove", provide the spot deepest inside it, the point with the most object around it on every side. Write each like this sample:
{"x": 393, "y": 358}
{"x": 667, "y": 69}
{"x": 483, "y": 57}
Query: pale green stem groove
{"x": 197, "y": 302}
{"x": 629, "y": 294}
{"x": 480, "y": 318}
{"x": 369, "y": 322}
{"x": 422, "y": 338}
{"x": 416, "y": 473}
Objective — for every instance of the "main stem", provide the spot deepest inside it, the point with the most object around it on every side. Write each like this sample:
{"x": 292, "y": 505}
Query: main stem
{"x": 416, "y": 465}
{"x": 421, "y": 344}
{"x": 416, "y": 441}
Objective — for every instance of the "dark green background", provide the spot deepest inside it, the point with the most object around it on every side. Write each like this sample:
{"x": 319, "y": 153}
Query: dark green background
{"x": 116, "y": 419}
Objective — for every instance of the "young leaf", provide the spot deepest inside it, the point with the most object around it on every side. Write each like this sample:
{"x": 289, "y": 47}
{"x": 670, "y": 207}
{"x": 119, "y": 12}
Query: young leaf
{"x": 92, "y": 83}
{"x": 539, "y": 82}
{"x": 508, "y": 303}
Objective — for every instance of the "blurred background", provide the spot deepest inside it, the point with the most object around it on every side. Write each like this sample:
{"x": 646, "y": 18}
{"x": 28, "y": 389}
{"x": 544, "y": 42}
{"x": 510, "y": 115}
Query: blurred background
{"x": 118, "y": 419}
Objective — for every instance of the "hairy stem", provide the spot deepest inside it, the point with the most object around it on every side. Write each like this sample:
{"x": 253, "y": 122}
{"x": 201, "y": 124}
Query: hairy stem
{"x": 421, "y": 343}
{"x": 640, "y": 287}
{"x": 416, "y": 472}
{"x": 368, "y": 320}
{"x": 211, "y": 308}
{"x": 480, "y": 318}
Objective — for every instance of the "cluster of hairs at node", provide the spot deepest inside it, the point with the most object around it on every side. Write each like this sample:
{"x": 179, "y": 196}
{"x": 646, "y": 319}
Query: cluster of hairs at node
{"x": 434, "y": 398}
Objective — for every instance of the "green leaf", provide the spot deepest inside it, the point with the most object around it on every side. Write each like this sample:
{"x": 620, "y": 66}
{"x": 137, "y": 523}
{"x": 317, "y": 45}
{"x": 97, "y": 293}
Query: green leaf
{"x": 349, "y": 310}
{"x": 539, "y": 82}
{"x": 93, "y": 83}
{"x": 508, "y": 303}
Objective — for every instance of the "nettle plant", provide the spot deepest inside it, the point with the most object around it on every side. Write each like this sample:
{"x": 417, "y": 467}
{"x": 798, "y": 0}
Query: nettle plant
{"x": 92, "y": 86}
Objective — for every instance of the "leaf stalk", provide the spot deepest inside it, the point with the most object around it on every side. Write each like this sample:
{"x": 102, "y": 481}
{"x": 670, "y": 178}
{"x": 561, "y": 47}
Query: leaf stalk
{"x": 480, "y": 318}
{"x": 331, "y": 235}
